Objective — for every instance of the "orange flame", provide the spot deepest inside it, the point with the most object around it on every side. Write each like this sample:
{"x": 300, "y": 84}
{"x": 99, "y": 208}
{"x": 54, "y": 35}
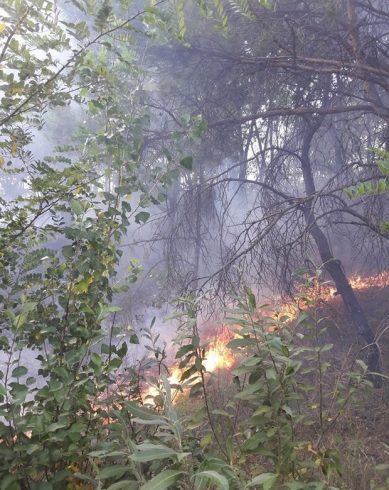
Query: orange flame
{"x": 326, "y": 292}
{"x": 219, "y": 357}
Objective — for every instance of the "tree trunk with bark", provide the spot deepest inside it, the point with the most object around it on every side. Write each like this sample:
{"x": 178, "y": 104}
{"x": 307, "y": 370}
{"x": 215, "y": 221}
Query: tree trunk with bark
{"x": 332, "y": 265}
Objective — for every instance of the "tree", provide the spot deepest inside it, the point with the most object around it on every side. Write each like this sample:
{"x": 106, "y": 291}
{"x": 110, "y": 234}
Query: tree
{"x": 281, "y": 94}
{"x": 77, "y": 420}
{"x": 60, "y": 237}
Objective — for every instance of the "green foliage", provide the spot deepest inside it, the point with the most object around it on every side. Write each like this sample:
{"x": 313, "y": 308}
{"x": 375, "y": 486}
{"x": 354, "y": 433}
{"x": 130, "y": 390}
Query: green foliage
{"x": 58, "y": 303}
{"x": 31, "y": 76}
{"x": 376, "y": 186}
{"x": 68, "y": 424}
{"x": 365, "y": 189}
{"x": 218, "y": 11}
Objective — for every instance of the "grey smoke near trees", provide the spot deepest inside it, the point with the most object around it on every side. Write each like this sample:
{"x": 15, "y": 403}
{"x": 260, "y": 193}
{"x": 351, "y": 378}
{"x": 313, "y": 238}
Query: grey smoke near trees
{"x": 279, "y": 113}
{"x": 291, "y": 101}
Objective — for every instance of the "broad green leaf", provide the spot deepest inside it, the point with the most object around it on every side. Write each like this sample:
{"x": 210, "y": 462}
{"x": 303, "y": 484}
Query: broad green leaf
{"x": 295, "y": 485}
{"x": 206, "y": 440}
{"x": 142, "y": 217}
{"x": 114, "y": 471}
{"x": 184, "y": 350}
{"x": 138, "y": 420}
{"x": 57, "y": 426}
{"x": 76, "y": 207}
{"x": 150, "y": 452}
{"x": 216, "y": 478}
{"x": 9, "y": 482}
{"x": 19, "y": 371}
{"x": 251, "y": 299}
{"x": 163, "y": 480}
{"x": 19, "y": 392}
{"x": 124, "y": 485}
{"x": 140, "y": 412}
{"x": 271, "y": 374}
{"x": 267, "y": 480}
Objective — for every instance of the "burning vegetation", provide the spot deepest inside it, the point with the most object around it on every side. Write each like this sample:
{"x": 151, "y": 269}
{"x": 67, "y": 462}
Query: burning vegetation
{"x": 218, "y": 356}
{"x": 160, "y": 149}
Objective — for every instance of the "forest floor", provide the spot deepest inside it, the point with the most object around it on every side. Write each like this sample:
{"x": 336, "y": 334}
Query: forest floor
{"x": 364, "y": 431}
{"x": 360, "y": 433}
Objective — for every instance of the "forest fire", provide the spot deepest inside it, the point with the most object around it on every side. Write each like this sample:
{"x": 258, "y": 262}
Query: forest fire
{"x": 219, "y": 357}
{"x": 380, "y": 280}
{"x": 326, "y": 292}
{"x": 358, "y": 283}
{"x": 193, "y": 194}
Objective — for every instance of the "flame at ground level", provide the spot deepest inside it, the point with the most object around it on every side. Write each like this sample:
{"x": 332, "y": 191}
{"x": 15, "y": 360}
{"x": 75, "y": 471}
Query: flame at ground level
{"x": 219, "y": 357}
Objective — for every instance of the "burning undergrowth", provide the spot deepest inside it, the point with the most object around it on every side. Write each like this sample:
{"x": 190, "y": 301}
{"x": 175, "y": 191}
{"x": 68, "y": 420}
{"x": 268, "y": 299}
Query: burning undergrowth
{"x": 213, "y": 355}
{"x": 203, "y": 354}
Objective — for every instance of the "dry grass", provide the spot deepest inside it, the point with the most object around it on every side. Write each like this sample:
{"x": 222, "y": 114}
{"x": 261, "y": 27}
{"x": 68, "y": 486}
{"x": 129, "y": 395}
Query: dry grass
{"x": 361, "y": 430}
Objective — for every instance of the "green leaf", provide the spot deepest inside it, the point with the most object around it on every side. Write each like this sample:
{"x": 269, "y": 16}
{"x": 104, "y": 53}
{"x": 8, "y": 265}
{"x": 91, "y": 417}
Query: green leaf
{"x": 187, "y": 162}
{"x": 149, "y": 452}
{"x": 115, "y": 471}
{"x": 137, "y": 420}
{"x": 142, "y": 217}
{"x": 56, "y": 426}
{"x": 206, "y": 440}
{"x": 383, "y": 165}
{"x": 124, "y": 485}
{"x": 326, "y": 347}
{"x": 295, "y": 485}
{"x": 83, "y": 477}
{"x": 76, "y": 207}
{"x": 184, "y": 350}
{"x": 251, "y": 299}
{"x": 141, "y": 412}
{"x": 271, "y": 374}
{"x": 267, "y": 480}
{"x": 19, "y": 371}
{"x": 216, "y": 478}
{"x": 9, "y": 482}
{"x": 302, "y": 318}
{"x": 123, "y": 190}
{"x": 163, "y": 480}
{"x": 104, "y": 310}
{"x": 96, "y": 360}
{"x": 19, "y": 392}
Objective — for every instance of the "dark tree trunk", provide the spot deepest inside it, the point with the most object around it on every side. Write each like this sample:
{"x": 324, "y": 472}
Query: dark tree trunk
{"x": 332, "y": 265}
